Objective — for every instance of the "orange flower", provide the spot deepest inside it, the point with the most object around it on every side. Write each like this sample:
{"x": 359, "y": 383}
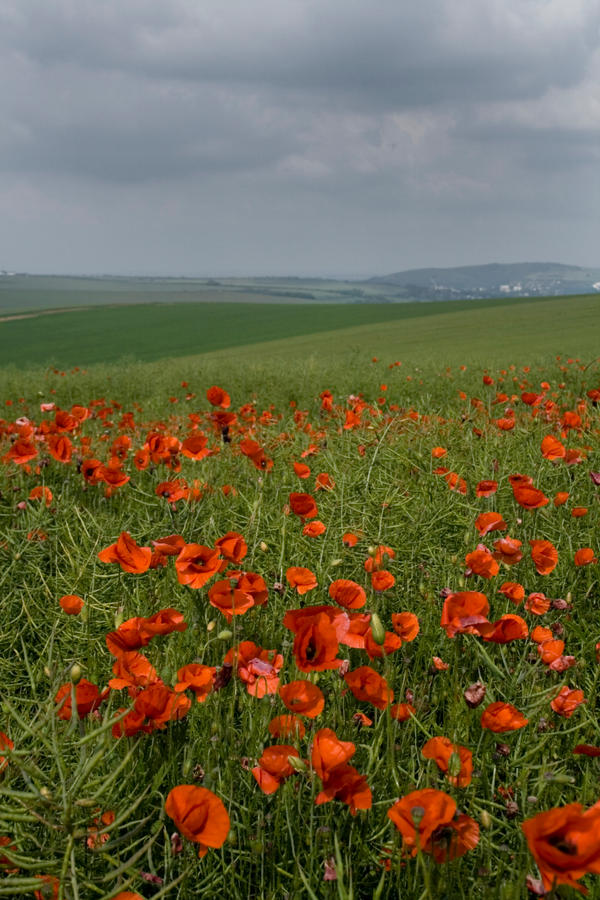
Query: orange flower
{"x": 71, "y": 604}
{"x": 550, "y": 650}
{"x": 197, "y": 678}
{"x": 328, "y": 752}
{"x": 462, "y": 611}
{"x": 552, "y": 448}
{"x": 274, "y": 767}
{"x": 438, "y": 452}
{"x": 159, "y": 704}
{"x": 489, "y": 521}
{"x": 560, "y": 498}
{"x": 87, "y": 697}
{"x": 537, "y": 603}
{"x": 584, "y": 557}
{"x": 132, "y": 670}
{"x": 127, "y": 554}
{"x": 314, "y": 529}
{"x": 303, "y": 698}
{"x": 486, "y": 488}
{"x": 302, "y": 470}
{"x": 446, "y": 754}
{"x": 406, "y": 625}
{"x": 5, "y": 744}
{"x": 302, "y": 579}
{"x": 514, "y": 591}
{"x": 41, "y": 493}
{"x": 382, "y": 580}
{"x": 579, "y": 511}
{"x": 344, "y": 783}
{"x": 287, "y": 726}
{"x": 402, "y": 712}
{"x": 229, "y": 600}
{"x": 419, "y": 814}
{"x": 482, "y": 563}
{"x": 508, "y": 550}
{"x": 303, "y": 505}
{"x": 529, "y": 497}
{"x": 347, "y": 593}
{"x": 324, "y": 482}
{"x": 544, "y": 555}
{"x": 232, "y": 546}
{"x": 366, "y": 684}
{"x": 565, "y": 843}
{"x": 199, "y": 815}
{"x": 216, "y": 396}
{"x": 256, "y": 667}
{"x": 349, "y": 539}
{"x": 196, "y": 564}
{"x": 505, "y": 629}
{"x": 500, "y": 717}
{"x": 566, "y": 701}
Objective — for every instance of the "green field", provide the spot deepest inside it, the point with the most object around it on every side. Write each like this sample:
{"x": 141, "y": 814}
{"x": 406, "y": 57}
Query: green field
{"x": 456, "y": 331}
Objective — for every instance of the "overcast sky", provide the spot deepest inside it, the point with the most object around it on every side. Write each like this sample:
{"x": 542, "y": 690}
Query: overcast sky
{"x": 307, "y": 137}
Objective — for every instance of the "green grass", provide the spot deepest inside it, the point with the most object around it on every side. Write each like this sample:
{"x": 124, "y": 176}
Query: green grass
{"x": 452, "y": 331}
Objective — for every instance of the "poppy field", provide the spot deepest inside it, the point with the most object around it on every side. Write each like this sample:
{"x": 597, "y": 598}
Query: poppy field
{"x": 298, "y": 631}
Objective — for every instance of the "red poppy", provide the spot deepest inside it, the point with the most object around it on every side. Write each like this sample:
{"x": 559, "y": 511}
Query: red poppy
{"x": 197, "y": 678}
{"x": 402, "y": 712}
{"x": 560, "y": 498}
{"x": 544, "y": 555}
{"x": 287, "y": 726}
{"x": 419, "y": 814}
{"x": 196, "y": 564}
{"x": 303, "y": 505}
{"x": 314, "y": 529}
{"x": 41, "y": 493}
{"x": 489, "y": 521}
{"x": 229, "y": 600}
{"x": 199, "y": 815}
{"x": 302, "y": 579}
{"x": 349, "y": 539}
{"x": 463, "y": 611}
{"x": 584, "y": 557}
{"x": 500, "y": 717}
{"x": 232, "y": 546}
{"x": 274, "y": 767}
{"x": 328, "y": 752}
{"x": 453, "y": 760}
{"x": 131, "y": 557}
{"x": 5, "y": 744}
{"x": 302, "y": 470}
{"x": 216, "y": 396}
{"x": 514, "y": 591}
{"x": 567, "y": 700}
{"x": 368, "y": 685}
{"x": 565, "y": 843}
{"x": 256, "y": 667}
{"x": 505, "y": 629}
{"x": 486, "y": 488}
{"x": 406, "y": 625}
{"x": 508, "y": 550}
{"x": 347, "y": 593}
{"x": 71, "y": 604}
{"x": 344, "y": 783}
{"x": 529, "y": 497}
{"x": 537, "y": 603}
{"x": 303, "y": 698}
{"x": 87, "y": 697}
{"x": 133, "y": 671}
{"x": 552, "y": 448}
{"x": 482, "y": 563}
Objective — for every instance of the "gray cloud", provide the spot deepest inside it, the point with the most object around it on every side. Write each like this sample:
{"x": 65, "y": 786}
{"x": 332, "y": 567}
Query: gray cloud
{"x": 297, "y": 126}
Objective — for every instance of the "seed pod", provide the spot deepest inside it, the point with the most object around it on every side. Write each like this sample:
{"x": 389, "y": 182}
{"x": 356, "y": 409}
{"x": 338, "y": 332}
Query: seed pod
{"x": 225, "y": 635}
{"x": 75, "y": 673}
{"x": 377, "y": 629}
{"x": 485, "y": 819}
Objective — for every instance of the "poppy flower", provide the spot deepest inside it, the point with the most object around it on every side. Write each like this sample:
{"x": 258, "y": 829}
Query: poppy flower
{"x": 567, "y": 700}
{"x": 565, "y": 843}
{"x": 139, "y": 631}
{"x": 579, "y": 511}
{"x": 500, "y": 717}
{"x": 256, "y": 455}
{"x": 378, "y": 557}
{"x": 87, "y": 697}
{"x": 506, "y": 629}
{"x": 552, "y": 448}
{"x": 302, "y": 470}
{"x": 41, "y": 493}
{"x": 560, "y": 498}
{"x": 586, "y": 750}
{"x": 489, "y": 521}
{"x": 303, "y": 505}
{"x": 132, "y": 670}
{"x": 60, "y": 447}
{"x": 287, "y": 726}
{"x": 406, "y": 625}
{"x": 328, "y": 752}
{"x": 229, "y": 600}
{"x": 49, "y": 891}
{"x": 316, "y": 645}
{"x": 216, "y": 396}
{"x": 453, "y": 760}
{"x": 302, "y": 579}
{"x": 544, "y": 555}
{"x": 314, "y": 529}
{"x": 537, "y": 603}
{"x": 131, "y": 557}
{"x": 172, "y": 545}
{"x": 419, "y": 814}
{"x": 349, "y": 539}
{"x": 302, "y": 698}
{"x": 274, "y": 767}
{"x": 159, "y": 704}
{"x": 347, "y": 593}
{"x": 195, "y": 447}
{"x": 584, "y": 557}
{"x": 232, "y": 546}
{"x": 196, "y": 564}
{"x": 382, "y": 580}
{"x": 463, "y": 611}
{"x": 550, "y": 650}
{"x": 256, "y": 667}
{"x": 199, "y": 815}
{"x": 197, "y": 678}
{"x": 438, "y": 452}
{"x": 508, "y": 550}
{"x": 486, "y": 488}
{"x": 368, "y": 685}
{"x": 482, "y": 563}
{"x": 71, "y": 604}
{"x": 402, "y": 712}
{"x": 540, "y": 634}
{"x": 5, "y": 744}
{"x": 514, "y": 591}
{"x": 21, "y": 452}
{"x": 344, "y": 783}
{"x": 529, "y": 497}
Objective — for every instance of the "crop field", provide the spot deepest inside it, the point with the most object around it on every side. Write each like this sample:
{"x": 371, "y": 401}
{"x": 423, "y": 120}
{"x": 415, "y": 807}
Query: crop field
{"x": 447, "y": 331}
{"x": 318, "y": 622}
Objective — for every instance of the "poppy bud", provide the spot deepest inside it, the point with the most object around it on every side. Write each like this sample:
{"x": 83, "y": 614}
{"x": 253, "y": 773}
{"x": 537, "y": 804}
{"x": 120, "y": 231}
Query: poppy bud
{"x": 454, "y": 559}
{"x": 264, "y": 547}
{"x": 119, "y": 618}
{"x": 47, "y": 672}
{"x": 211, "y": 625}
{"x": 336, "y": 562}
{"x": 422, "y": 588}
{"x": 75, "y": 673}
{"x": 454, "y": 765}
{"x": 461, "y": 581}
{"x": 371, "y": 550}
{"x": 485, "y": 819}
{"x": 377, "y": 629}
{"x": 225, "y": 635}
{"x": 45, "y": 793}
{"x": 297, "y": 764}
{"x": 569, "y": 597}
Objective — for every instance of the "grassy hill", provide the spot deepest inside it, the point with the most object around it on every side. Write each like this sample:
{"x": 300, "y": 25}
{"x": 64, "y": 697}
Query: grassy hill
{"x": 459, "y": 331}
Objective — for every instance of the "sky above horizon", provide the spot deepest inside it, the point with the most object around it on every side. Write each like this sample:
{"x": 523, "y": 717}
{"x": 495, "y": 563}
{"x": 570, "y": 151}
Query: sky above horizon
{"x": 301, "y": 137}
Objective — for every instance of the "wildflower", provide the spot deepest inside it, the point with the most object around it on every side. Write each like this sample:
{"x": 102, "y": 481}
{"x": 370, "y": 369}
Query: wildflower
{"x": 500, "y": 717}
{"x": 199, "y": 815}
{"x": 71, "y": 604}
{"x": 131, "y": 557}
{"x": 565, "y": 843}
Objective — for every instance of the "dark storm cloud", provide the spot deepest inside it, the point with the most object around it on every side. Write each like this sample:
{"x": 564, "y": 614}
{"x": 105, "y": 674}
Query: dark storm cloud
{"x": 371, "y": 107}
